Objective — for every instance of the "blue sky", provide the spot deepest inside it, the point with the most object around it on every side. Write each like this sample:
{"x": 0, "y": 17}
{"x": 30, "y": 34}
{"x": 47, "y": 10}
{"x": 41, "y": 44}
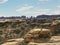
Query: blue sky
{"x": 29, "y": 7}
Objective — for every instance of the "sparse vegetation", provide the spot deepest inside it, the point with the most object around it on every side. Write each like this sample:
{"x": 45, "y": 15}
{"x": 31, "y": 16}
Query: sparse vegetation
{"x": 18, "y": 29}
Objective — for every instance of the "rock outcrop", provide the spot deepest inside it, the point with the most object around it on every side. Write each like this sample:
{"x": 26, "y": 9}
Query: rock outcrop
{"x": 36, "y": 34}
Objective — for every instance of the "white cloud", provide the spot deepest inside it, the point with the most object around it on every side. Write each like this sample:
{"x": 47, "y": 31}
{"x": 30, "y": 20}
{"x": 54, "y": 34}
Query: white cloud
{"x": 58, "y": 6}
{"x": 56, "y": 12}
{"x": 38, "y": 12}
{"x": 3, "y": 1}
{"x": 34, "y": 11}
{"x": 31, "y": 10}
{"x": 24, "y": 8}
{"x": 43, "y": 0}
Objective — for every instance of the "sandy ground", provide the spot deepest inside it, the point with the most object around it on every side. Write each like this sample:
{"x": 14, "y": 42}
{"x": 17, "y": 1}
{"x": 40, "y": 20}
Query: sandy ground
{"x": 55, "y": 40}
{"x": 13, "y": 41}
{"x": 45, "y": 44}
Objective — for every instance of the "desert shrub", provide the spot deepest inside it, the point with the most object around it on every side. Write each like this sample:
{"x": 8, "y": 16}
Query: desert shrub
{"x": 16, "y": 31}
{"x": 1, "y": 32}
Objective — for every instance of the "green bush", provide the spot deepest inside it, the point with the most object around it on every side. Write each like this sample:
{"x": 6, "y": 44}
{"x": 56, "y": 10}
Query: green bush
{"x": 16, "y": 31}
